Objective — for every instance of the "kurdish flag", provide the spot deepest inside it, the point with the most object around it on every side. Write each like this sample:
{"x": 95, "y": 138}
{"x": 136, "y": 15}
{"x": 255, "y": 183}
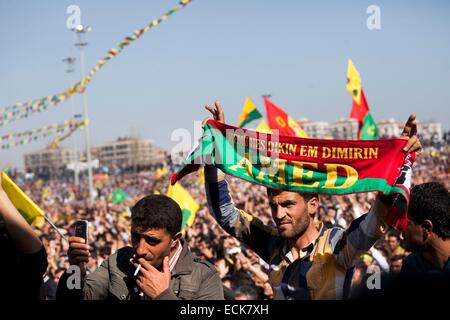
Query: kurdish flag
{"x": 27, "y": 208}
{"x": 249, "y": 113}
{"x": 353, "y": 82}
{"x": 280, "y": 120}
{"x": 188, "y": 205}
{"x": 368, "y": 129}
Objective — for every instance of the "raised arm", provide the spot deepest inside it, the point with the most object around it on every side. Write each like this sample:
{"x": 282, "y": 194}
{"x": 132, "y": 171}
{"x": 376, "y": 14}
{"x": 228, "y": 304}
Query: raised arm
{"x": 19, "y": 230}
{"x": 367, "y": 229}
{"x": 237, "y": 223}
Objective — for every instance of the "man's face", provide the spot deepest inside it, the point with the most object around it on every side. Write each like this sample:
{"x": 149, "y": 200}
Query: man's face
{"x": 221, "y": 267}
{"x": 393, "y": 243}
{"x": 291, "y": 213}
{"x": 396, "y": 266}
{"x": 413, "y": 236}
{"x": 151, "y": 244}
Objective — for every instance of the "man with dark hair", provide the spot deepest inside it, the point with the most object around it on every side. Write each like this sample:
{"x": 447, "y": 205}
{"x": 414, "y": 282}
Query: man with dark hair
{"x": 425, "y": 273}
{"x": 427, "y": 234}
{"x": 307, "y": 260}
{"x": 394, "y": 244}
{"x": 158, "y": 266}
{"x": 396, "y": 264}
{"x": 247, "y": 292}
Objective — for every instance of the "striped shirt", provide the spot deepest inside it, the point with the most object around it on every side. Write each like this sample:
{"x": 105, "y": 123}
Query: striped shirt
{"x": 173, "y": 261}
{"x": 324, "y": 268}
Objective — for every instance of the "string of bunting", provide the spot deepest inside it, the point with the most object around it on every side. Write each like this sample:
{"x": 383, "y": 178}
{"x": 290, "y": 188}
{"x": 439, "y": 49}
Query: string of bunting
{"x": 79, "y": 125}
{"x": 22, "y": 138}
{"x": 26, "y": 109}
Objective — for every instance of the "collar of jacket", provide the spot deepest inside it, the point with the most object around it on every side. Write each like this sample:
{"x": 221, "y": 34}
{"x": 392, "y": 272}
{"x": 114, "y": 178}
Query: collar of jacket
{"x": 184, "y": 265}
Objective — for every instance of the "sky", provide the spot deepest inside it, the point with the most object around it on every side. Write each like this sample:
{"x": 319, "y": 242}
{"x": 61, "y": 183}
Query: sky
{"x": 223, "y": 50}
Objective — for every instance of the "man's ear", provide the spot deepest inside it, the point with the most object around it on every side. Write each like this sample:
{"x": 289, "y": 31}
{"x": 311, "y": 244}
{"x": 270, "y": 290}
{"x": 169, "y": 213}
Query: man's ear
{"x": 176, "y": 237}
{"x": 427, "y": 227}
{"x": 313, "y": 205}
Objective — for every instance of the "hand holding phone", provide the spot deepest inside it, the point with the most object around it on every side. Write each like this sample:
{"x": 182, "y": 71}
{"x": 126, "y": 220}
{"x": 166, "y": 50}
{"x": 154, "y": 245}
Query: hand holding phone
{"x": 78, "y": 245}
{"x": 82, "y": 230}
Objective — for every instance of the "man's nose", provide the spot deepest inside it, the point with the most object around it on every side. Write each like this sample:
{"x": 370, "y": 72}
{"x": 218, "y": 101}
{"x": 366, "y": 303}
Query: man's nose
{"x": 279, "y": 212}
{"x": 140, "y": 249}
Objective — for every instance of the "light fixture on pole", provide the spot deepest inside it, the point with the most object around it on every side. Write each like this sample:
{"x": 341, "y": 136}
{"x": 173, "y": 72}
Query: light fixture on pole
{"x": 69, "y": 61}
{"x": 82, "y": 43}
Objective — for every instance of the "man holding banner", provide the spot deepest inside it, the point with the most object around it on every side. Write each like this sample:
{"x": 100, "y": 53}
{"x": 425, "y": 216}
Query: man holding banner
{"x": 307, "y": 260}
{"x": 24, "y": 259}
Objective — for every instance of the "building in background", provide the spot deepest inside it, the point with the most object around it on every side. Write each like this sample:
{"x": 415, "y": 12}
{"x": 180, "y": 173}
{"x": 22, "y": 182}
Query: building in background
{"x": 389, "y": 128}
{"x": 315, "y": 129}
{"x": 344, "y": 129}
{"x": 430, "y": 132}
{"x": 49, "y": 162}
{"x": 128, "y": 152}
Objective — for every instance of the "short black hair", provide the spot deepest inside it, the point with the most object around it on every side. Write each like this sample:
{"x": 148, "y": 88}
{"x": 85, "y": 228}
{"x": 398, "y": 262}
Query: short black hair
{"x": 431, "y": 201}
{"x": 250, "y": 291}
{"x": 157, "y": 212}
{"x": 394, "y": 234}
{"x": 396, "y": 258}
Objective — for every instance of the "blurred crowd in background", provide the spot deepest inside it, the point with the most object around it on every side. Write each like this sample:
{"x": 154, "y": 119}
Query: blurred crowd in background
{"x": 243, "y": 273}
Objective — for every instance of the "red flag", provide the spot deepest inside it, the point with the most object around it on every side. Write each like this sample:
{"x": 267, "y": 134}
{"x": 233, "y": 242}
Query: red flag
{"x": 360, "y": 111}
{"x": 278, "y": 119}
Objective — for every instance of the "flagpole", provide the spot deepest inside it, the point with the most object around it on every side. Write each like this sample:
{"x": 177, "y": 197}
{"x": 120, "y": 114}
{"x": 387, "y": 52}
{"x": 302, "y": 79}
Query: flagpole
{"x": 55, "y": 227}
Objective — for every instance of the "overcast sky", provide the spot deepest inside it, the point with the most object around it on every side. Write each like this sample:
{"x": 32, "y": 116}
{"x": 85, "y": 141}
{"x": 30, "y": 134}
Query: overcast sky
{"x": 225, "y": 50}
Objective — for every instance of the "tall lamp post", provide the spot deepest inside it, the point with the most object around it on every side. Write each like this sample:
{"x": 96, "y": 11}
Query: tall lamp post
{"x": 81, "y": 44}
{"x": 69, "y": 61}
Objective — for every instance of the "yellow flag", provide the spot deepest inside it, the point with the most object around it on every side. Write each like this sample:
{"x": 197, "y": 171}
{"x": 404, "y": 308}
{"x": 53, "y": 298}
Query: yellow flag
{"x": 47, "y": 193}
{"x": 27, "y": 208}
{"x": 249, "y": 113}
{"x": 188, "y": 205}
{"x": 353, "y": 82}
{"x": 161, "y": 172}
{"x": 296, "y": 127}
{"x": 263, "y": 127}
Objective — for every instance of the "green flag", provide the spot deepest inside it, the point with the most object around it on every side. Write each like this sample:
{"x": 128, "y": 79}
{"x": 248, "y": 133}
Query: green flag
{"x": 118, "y": 196}
{"x": 249, "y": 113}
{"x": 369, "y": 130}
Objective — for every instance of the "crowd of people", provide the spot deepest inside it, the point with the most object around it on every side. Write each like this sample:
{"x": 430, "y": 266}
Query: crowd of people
{"x": 244, "y": 275}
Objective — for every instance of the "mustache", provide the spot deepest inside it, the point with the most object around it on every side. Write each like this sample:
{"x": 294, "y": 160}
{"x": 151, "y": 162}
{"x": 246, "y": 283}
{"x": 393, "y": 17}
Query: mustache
{"x": 284, "y": 220}
{"x": 147, "y": 257}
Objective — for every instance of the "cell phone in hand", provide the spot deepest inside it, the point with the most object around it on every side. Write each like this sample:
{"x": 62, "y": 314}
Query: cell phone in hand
{"x": 82, "y": 229}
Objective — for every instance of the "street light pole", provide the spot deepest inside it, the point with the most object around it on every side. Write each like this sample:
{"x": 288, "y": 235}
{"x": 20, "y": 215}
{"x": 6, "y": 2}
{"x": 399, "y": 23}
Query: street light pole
{"x": 70, "y": 61}
{"x": 81, "y": 31}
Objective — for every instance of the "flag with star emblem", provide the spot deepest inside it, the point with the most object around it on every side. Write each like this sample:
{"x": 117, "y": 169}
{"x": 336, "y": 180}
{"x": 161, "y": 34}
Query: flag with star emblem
{"x": 353, "y": 82}
{"x": 369, "y": 130}
{"x": 249, "y": 113}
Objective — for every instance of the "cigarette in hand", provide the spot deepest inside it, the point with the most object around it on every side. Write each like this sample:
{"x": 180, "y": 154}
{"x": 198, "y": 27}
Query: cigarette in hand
{"x": 137, "y": 270}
